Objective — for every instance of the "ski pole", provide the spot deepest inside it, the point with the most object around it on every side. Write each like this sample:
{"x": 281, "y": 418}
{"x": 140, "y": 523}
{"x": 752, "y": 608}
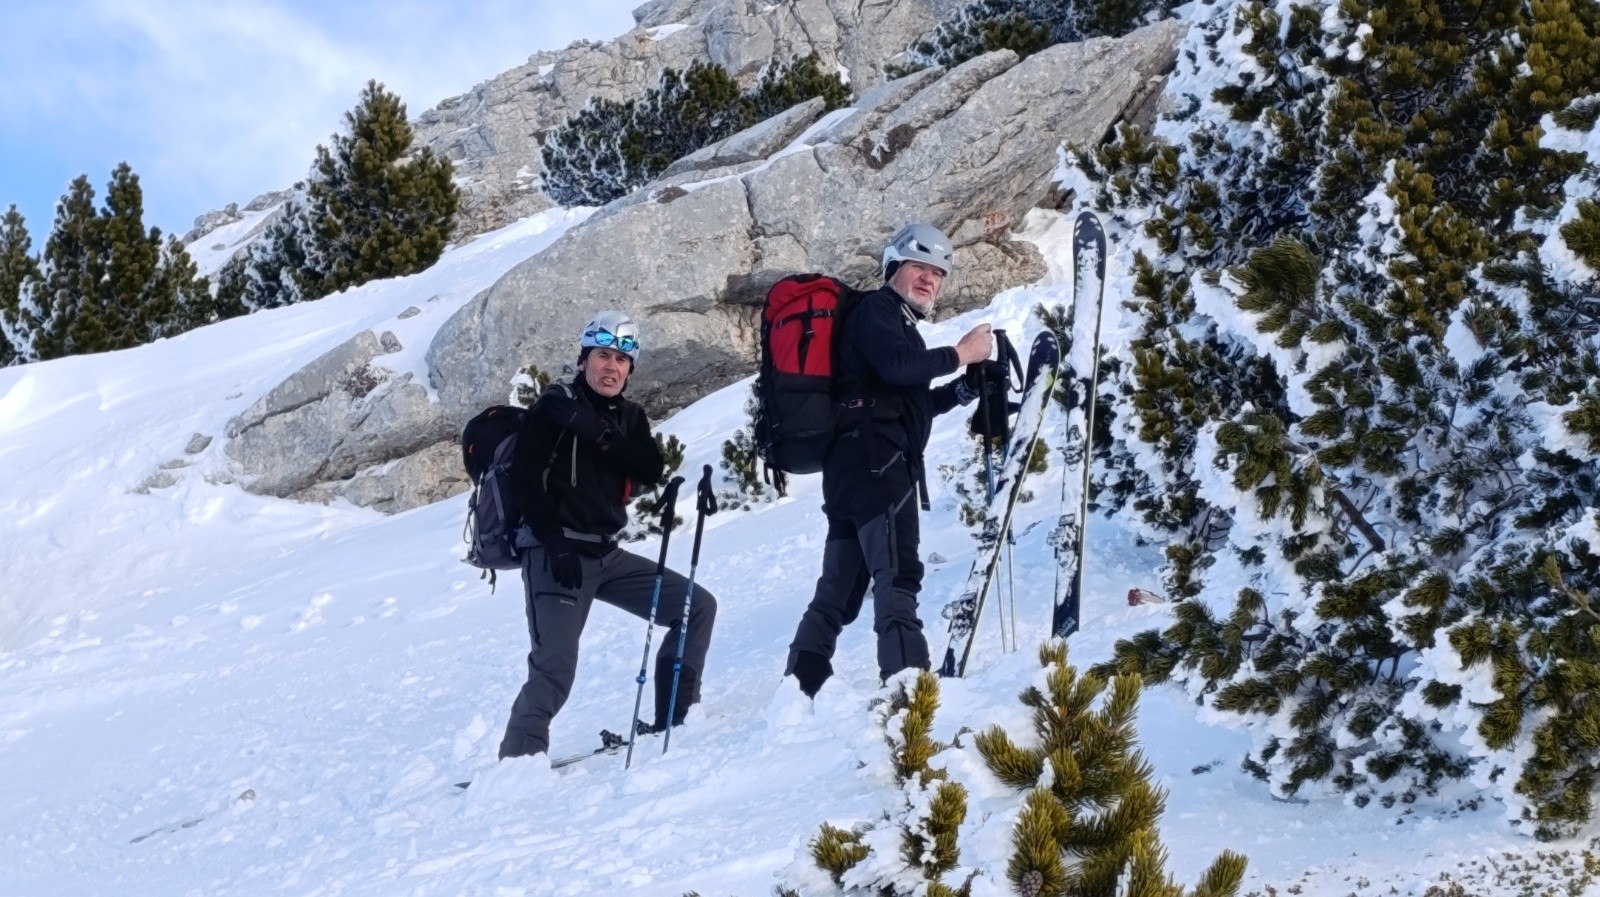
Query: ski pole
{"x": 705, "y": 505}
{"x": 668, "y": 506}
{"x": 985, "y": 438}
{"x": 1006, "y": 354}
{"x": 1011, "y": 536}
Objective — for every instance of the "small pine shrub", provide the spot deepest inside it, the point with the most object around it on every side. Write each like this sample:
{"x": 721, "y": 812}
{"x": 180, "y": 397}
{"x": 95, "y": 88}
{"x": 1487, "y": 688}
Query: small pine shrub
{"x": 646, "y": 515}
{"x": 609, "y": 148}
{"x": 1089, "y": 809}
{"x": 929, "y": 813}
{"x": 1025, "y": 27}
{"x": 741, "y": 464}
{"x": 527, "y": 384}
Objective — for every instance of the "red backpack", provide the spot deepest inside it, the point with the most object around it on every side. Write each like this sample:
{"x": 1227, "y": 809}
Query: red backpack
{"x": 796, "y": 409}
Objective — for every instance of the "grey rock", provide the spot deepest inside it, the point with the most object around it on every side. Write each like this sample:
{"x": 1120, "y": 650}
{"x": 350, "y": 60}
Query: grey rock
{"x": 210, "y": 221}
{"x": 754, "y": 144}
{"x": 198, "y": 443}
{"x": 874, "y": 105}
{"x": 268, "y": 200}
{"x": 333, "y": 417}
{"x": 389, "y": 343}
{"x": 311, "y": 383}
{"x": 656, "y": 13}
{"x": 161, "y": 479}
{"x": 432, "y": 474}
{"x": 667, "y": 263}
{"x": 410, "y": 312}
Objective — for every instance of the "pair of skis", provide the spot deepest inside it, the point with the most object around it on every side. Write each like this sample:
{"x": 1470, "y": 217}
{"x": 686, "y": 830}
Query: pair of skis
{"x": 1045, "y": 370}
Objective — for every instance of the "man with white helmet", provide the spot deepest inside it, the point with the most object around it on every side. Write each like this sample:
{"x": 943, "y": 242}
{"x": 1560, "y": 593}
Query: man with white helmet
{"x": 873, "y": 481}
{"x": 583, "y": 450}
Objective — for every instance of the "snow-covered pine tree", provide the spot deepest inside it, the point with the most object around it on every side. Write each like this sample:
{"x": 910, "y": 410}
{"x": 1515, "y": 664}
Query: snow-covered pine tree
{"x": 106, "y": 281}
{"x": 1026, "y": 27}
{"x": 785, "y": 85}
{"x": 609, "y": 148}
{"x": 1351, "y": 348}
{"x": 689, "y": 109}
{"x": 17, "y": 264}
{"x": 583, "y": 160}
{"x": 190, "y": 300}
{"x": 275, "y": 269}
{"x": 741, "y": 463}
{"x": 59, "y": 308}
{"x": 131, "y": 299}
{"x": 376, "y": 206}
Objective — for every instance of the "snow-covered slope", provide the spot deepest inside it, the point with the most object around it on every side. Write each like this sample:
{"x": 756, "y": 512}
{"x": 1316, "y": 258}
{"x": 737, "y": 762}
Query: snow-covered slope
{"x": 207, "y": 692}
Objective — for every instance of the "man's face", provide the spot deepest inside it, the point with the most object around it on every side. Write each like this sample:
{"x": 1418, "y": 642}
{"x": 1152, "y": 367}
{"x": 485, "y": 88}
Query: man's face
{"x": 919, "y": 283}
{"x": 606, "y": 370}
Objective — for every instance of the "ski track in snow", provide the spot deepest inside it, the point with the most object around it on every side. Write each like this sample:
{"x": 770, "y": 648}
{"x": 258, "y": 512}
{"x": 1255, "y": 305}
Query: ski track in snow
{"x": 208, "y": 692}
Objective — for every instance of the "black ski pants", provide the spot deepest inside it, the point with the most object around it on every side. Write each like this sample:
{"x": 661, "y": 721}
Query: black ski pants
{"x": 882, "y": 549}
{"x": 556, "y": 617}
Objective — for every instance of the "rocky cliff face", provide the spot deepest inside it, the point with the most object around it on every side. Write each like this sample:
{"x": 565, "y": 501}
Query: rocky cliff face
{"x": 494, "y": 132}
{"x": 970, "y": 150}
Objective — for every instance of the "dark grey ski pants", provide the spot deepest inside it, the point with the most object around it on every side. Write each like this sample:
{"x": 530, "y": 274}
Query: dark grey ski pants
{"x": 884, "y": 550}
{"x": 556, "y": 616}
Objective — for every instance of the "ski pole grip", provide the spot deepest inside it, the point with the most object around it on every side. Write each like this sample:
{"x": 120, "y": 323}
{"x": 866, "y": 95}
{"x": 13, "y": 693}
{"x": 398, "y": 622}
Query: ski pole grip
{"x": 706, "y": 501}
{"x": 1009, "y": 351}
{"x": 669, "y": 500}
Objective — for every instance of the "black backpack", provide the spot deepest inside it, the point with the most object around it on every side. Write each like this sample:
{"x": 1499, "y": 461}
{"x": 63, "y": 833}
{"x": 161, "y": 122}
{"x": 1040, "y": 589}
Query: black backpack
{"x": 797, "y": 409}
{"x": 488, "y": 443}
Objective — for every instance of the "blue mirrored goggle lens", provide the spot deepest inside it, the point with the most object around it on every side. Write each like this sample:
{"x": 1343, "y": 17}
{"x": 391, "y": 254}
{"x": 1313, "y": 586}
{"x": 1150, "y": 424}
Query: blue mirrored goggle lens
{"x": 607, "y": 338}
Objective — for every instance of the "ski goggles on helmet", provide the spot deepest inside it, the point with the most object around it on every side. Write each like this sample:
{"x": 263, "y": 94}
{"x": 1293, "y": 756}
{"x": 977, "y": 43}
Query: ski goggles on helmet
{"x": 606, "y": 339}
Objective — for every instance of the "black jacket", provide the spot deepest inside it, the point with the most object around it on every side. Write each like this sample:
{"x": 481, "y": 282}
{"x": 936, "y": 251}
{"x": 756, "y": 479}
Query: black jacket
{"x": 884, "y": 372}
{"x": 580, "y": 456}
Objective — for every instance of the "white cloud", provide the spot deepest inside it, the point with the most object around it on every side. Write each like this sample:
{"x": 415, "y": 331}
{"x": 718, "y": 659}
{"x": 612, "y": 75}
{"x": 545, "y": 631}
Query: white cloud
{"x": 217, "y": 102}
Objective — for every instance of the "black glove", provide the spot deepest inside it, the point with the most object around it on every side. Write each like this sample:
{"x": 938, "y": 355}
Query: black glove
{"x": 570, "y": 414}
{"x": 990, "y": 381}
{"x": 965, "y": 392}
{"x": 562, "y": 560}
{"x": 973, "y": 376}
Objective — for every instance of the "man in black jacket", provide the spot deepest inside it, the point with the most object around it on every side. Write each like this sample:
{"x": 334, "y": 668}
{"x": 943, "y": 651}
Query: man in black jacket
{"x": 873, "y": 482}
{"x": 582, "y": 451}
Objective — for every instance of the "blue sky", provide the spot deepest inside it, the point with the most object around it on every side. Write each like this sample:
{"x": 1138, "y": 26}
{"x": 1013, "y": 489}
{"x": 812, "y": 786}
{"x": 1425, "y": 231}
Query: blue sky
{"x": 217, "y": 101}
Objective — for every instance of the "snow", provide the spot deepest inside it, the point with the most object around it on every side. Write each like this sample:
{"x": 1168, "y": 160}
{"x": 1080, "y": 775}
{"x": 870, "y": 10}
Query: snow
{"x": 208, "y": 692}
{"x": 214, "y": 249}
{"x": 663, "y": 31}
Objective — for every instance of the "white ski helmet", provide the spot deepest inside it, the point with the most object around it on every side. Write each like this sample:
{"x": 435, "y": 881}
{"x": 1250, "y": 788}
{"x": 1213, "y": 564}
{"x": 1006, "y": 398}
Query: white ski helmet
{"x": 613, "y": 330}
{"x": 918, "y": 243}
